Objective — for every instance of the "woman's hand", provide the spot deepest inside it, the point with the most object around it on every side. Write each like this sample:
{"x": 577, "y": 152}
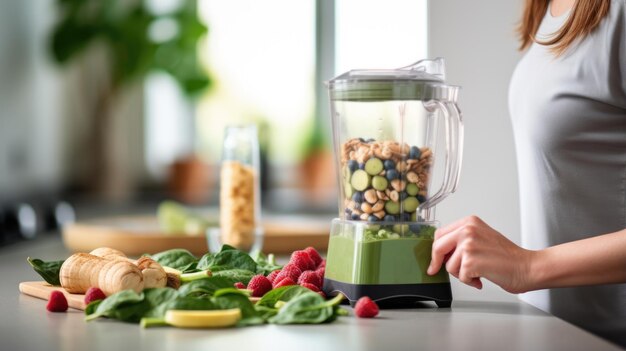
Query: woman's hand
{"x": 471, "y": 249}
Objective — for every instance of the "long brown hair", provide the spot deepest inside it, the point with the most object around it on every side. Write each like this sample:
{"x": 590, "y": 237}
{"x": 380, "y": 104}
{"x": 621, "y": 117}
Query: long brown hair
{"x": 586, "y": 15}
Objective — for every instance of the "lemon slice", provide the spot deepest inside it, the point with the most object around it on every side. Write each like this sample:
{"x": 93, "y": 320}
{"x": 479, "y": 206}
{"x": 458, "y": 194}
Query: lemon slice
{"x": 203, "y": 319}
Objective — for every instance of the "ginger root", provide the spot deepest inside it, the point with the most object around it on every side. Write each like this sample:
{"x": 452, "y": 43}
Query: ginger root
{"x": 153, "y": 274}
{"x": 82, "y": 271}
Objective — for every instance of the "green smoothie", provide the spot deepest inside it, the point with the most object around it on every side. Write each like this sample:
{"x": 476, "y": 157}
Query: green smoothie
{"x": 391, "y": 260}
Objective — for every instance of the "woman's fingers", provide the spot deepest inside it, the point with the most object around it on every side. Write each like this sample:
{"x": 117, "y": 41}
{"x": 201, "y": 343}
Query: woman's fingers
{"x": 441, "y": 247}
{"x": 455, "y": 225}
{"x": 453, "y": 266}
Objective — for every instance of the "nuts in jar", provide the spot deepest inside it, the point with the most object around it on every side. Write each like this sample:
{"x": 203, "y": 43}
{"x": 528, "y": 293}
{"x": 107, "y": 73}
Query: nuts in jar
{"x": 388, "y": 179}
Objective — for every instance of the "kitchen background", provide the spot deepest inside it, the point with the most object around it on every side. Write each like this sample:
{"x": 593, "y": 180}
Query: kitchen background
{"x": 87, "y": 137}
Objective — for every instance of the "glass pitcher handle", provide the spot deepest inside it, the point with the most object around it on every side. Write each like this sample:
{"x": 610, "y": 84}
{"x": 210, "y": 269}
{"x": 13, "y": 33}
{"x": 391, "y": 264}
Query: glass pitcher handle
{"x": 454, "y": 150}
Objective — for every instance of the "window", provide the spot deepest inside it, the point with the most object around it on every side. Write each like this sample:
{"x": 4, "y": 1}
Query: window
{"x": 262, "y": 56}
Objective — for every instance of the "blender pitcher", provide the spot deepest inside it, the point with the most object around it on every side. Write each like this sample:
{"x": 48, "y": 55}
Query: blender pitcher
{"x": 385, "y": 136}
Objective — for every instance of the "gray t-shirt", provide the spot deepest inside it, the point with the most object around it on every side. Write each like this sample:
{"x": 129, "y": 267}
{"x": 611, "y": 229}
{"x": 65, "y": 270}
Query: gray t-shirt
{"x": 569, "y": 122}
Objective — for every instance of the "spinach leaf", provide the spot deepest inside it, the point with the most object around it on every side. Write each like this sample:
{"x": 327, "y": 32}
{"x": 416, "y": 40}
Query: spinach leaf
{"x": 157, "y": 297}
{"x": 233, "y": 298}
{"x": 284, "y": 293}
{"x": 180, "y": 259}
{"x": 265, "y": 312}
{"x": 125, "y": 305}
{"x": 229, "y": 258}
{"x": 265, "y": 264}
{"x": 180, "y": 303}
{"x": 235, "y": 275}
{"x": 308, "y": 308}
{"x": 205, "y": 261}
{"x": 206, "y": 286}
{"x": 49, "y": 271}
{"x": 129, "y": 306}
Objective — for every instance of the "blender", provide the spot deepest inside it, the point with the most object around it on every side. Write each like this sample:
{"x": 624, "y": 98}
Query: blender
{"x": 385, "y": 134}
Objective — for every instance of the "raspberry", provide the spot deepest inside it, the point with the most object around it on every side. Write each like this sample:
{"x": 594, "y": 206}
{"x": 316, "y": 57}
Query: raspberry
{"x": 310, "y": 277}
{"x": 322, "y": 264}
{"x": 273, "y": 275}
{"x": 366, "y": 308}
{"x": 314, "y": 255}
{"x": 94, "y": 294}
{"x": 310, "y": 286}
{"x": 302, "y": 260}
{"x": 320, "y": 272}
{"x": 259, "y": 285}
{"x": 239, "y": 285}
{"x": 290, "y": 271}
{"x": 284, "y": 282}
{"x": 57, "y": 302}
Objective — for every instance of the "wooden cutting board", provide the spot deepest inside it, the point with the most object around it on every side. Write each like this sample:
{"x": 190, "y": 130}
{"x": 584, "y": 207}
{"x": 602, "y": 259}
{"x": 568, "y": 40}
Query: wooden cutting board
{"x": 139, "y": 235}
{"x": 42, "y": 290}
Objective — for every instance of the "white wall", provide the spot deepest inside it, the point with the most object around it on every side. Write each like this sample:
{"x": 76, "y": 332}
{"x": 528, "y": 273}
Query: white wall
{"x": 478, "y": 41}
{"x": 30, "y": 119}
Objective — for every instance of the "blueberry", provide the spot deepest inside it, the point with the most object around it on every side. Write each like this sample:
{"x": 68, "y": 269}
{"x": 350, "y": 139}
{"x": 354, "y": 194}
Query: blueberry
{"x": 392, "y": 174}
{"x": 421, "y": 198}
{"x": 415, "y": 153}
{"x": 357, "y": 197}
{"x": 372, "y": 219}
{"x": 353, "y": 165}
{"x": 389, "y": 164}
{"x": 389, "y": 218}
{"x": 355, "y": 217}
{"x": 361, "y": 165}
{"x": 415, "y": 228}
{"x": 405, "y": 217}
{"x": 403, "y": 195}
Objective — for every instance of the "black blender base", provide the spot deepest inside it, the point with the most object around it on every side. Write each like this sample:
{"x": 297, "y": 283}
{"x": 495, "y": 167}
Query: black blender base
{"x": 392, "y": 295}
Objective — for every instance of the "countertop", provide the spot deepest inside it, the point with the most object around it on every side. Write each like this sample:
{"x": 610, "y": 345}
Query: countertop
{"x": 468, "y": 325}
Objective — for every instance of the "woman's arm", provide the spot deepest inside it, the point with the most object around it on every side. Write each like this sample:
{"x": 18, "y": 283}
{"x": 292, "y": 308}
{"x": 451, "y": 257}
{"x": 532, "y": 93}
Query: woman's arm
{"x": 471, "y": 250}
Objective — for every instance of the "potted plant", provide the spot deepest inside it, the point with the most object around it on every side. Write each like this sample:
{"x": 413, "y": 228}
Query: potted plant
{"x": 132, "y": 41}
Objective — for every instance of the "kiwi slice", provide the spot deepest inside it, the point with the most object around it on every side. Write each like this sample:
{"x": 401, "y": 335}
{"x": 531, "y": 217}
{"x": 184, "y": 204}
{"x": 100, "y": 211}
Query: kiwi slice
{"x": 379, "y": 183}
{"x": 360, "y": 180}
{"x": 392, "y": 207}
{"x": 410, "y": 204}
{"x": 373, "y": 166}
{"x": 412, "y": 189}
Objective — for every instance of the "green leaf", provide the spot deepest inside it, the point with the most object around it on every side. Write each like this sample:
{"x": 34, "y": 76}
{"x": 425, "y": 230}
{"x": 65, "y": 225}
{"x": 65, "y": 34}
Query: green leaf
{"x": 236, "y": 275}
{"x": 181, "y": 303}
{"x": 284, "y": 293}
{"x": 205, "y": 261}
{"x": 206, "y": 286}
{"x": 233, "y": 298}
{"x": 125, "y": 305}
{"x": 49, "y": 271}
{"x": 129, "y": 306}
{"x": 229, "y": 258}
{"x": 308, "y": 308}
{"x": 265, "y": 264}
{"x": 180, "y": 259}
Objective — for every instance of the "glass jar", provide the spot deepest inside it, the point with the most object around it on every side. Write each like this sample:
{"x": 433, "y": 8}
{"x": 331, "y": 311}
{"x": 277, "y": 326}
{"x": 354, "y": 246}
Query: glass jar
{"x": 240, "y": 205}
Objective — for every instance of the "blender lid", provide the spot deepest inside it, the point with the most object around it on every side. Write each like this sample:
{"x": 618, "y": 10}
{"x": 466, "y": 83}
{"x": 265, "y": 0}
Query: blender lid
{"x": 423, "y": 80}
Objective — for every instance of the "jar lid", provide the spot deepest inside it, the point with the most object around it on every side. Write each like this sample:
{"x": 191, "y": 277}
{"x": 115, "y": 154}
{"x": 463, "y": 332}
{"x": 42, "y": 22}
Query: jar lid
{"x": 423, "y": 80}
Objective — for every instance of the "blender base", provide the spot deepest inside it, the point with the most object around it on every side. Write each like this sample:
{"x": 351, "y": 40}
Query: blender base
{"x": 392, "y": 295}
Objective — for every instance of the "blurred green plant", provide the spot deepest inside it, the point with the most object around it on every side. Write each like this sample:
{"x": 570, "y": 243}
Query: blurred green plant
{"x": 137, "y": 40}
